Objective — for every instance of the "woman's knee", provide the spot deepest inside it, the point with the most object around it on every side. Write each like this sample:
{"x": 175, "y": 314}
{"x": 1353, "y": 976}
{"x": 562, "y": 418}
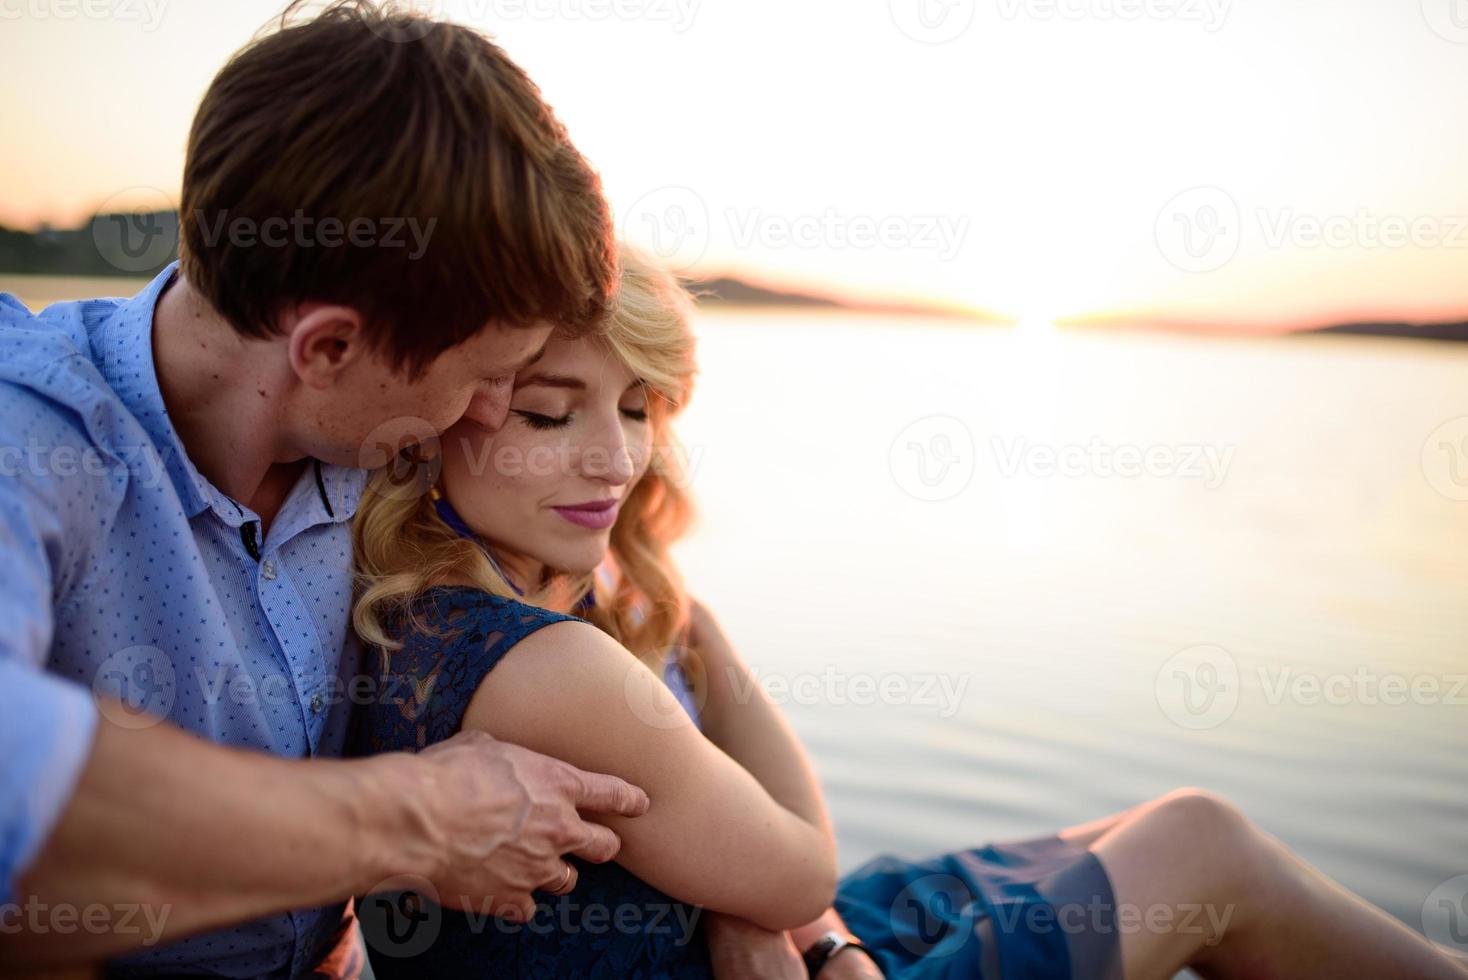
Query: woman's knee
{"x": 1204, "y": 823}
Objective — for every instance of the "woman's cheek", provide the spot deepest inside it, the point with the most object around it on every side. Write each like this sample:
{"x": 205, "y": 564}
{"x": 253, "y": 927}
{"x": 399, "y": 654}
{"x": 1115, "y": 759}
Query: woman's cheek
{"x": 642, "y": 453}
{"x": 542, "y": 461}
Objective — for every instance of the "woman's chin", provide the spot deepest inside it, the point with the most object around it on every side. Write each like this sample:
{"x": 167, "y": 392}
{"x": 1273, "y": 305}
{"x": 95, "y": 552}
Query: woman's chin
{"x": 580, "y": 561}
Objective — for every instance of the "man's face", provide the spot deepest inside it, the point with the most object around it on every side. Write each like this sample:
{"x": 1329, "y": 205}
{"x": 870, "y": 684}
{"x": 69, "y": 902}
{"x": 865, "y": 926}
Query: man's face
{"x": 375, "y": 410}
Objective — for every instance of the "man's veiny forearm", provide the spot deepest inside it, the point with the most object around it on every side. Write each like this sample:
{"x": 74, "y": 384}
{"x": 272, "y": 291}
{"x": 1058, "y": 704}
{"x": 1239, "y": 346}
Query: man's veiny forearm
{"x": 180, "y": 836}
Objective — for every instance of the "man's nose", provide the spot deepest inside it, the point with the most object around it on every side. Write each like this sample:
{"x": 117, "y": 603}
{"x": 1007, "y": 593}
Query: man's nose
{"x": 490, "y": 405}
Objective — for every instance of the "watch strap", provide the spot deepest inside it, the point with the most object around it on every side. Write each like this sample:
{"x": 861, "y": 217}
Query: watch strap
{"x": 821, "y": 951}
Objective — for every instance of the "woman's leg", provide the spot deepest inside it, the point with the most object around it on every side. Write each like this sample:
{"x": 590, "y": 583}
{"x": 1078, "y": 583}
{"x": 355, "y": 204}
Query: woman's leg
{"x": 1204, "y": 886}
{"x": 1086, "y": 834}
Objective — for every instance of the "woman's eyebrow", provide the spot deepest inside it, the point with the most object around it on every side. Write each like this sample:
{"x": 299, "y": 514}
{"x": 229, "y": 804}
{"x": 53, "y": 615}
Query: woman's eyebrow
{"x": 554, "y": 381}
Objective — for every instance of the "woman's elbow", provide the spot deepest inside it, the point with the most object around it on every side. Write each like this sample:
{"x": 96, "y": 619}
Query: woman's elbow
{"x": 801, "y": 897}
{"x": 821, "y": 893}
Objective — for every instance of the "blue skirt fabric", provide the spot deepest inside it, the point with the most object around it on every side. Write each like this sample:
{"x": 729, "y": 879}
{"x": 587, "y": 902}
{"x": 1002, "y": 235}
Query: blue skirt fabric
{"x": 1027, "y": 910}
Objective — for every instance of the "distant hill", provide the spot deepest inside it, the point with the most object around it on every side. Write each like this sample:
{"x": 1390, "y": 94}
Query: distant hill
{"x": 141, "y": 245}
{"x": 740, "y": 292}
{"x": 726, "y": 289}
{"x": 109, "y": 245}
{"x": 1412, "y": 331}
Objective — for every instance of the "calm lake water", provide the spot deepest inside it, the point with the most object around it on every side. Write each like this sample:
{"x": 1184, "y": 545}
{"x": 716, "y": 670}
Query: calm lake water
{"x": 1008, "y": 580}
{"x": 1058, "y": 642}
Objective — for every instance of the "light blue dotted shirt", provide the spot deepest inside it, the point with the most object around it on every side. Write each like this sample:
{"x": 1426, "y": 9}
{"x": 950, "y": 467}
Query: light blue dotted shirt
{"x": 124, "y": 572}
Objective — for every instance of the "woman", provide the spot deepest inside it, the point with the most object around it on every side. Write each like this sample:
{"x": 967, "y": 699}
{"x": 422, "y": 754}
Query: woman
{"x": 529, "y": 593}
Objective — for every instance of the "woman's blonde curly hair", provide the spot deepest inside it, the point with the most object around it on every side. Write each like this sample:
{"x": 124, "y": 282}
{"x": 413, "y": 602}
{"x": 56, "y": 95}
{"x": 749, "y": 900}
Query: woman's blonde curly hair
{"x": 402, "y": 547}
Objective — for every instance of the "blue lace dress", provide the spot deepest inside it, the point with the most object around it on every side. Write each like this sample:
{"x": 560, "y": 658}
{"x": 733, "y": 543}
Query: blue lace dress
{"x": 1031, "y": 910}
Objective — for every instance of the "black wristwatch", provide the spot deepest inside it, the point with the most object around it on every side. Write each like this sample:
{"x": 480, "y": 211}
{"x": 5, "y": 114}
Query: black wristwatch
{"x": 829, "y": 945}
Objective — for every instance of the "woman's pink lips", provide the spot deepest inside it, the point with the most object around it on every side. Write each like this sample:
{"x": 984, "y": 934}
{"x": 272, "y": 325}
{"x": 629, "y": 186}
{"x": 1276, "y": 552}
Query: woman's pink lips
{"x": 598, "y": 516}
{"x": 592, "y": 505}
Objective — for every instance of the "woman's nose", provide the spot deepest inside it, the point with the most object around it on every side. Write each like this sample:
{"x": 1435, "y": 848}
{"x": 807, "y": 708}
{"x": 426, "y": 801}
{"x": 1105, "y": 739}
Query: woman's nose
{"x": 610, "y": 461}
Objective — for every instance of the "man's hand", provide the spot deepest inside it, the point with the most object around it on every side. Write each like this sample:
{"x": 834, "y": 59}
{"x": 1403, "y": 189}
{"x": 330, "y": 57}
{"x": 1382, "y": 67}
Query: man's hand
{"x": 491, "y": 821}
{"x": 741, "y": 950}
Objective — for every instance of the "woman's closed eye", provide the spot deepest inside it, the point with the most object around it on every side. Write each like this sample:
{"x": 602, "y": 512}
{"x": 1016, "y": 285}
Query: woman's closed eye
{"x": 541, "y": 422}
{"x": 538, "y": 421}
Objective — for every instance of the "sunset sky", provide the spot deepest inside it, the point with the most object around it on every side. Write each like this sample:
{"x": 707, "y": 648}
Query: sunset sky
{"x": 1258, "y": 162}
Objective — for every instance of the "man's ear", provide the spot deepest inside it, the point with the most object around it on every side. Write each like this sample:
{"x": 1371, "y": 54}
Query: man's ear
{"x": 324, "y": 341}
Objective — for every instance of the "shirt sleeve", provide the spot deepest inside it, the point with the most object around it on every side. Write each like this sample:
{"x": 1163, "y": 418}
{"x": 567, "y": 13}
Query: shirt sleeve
{"x": 48, "y": 723}
{"x": 45, "y": 737}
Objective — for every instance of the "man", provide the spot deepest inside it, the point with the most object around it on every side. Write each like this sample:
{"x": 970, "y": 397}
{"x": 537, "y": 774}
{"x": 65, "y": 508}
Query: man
{"x": 179, "y": 471}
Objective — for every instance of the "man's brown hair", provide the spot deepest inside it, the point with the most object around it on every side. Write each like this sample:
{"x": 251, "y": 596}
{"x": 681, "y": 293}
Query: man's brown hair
{"x": 400, "y": 166}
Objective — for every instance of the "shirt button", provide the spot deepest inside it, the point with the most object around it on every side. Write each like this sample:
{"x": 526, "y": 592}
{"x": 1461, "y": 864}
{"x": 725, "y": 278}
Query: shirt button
{"x": 267, "y": 569}
{"x": 316, "y": 702}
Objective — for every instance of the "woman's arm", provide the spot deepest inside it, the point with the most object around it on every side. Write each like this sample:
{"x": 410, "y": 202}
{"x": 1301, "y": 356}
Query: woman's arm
{"x": 740, "y": 719}
{"x": 743, "y": 722}
{"x": 713, "y": 836}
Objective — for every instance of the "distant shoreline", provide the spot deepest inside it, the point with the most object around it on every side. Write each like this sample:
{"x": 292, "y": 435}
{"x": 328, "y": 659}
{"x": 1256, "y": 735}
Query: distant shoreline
{"x": 54, "y": 265}
{"x": 40, "y": 290}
